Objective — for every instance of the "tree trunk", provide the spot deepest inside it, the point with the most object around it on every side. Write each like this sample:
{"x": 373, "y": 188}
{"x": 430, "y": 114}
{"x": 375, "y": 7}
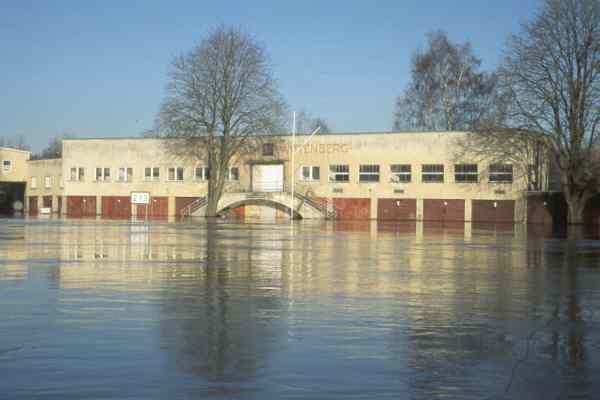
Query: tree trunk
{"x": 576, "y": 204}
{"x": 211, "y": 204}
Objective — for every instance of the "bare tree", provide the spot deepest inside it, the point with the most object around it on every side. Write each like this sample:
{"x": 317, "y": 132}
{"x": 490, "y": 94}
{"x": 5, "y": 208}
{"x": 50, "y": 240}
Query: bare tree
{"x": 221, "y": 95}
{"x": 305, "y": 123}
{"x": 552, "y": 75}
{"x": 447, "y": 91}
{"x": 53, "y": 149}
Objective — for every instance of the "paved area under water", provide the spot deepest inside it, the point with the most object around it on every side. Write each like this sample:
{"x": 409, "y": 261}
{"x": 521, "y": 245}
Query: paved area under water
{"x": 109, "y": 309}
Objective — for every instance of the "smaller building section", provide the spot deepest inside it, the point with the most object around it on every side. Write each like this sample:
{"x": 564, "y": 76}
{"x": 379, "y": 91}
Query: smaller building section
{"x": 44, "y": 186}
{"x": 13, "y": 176}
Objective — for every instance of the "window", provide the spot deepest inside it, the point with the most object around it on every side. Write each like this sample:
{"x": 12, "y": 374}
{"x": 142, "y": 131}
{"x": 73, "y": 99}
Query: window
{"x": 465, "y": 173}
{"x": 234, "y": 174}
{"x": 201, "y": 174}
{"x": 368, "y": 173}
{"x": 77, "y": 174}
{"x": 47, "y": 182}
{"x": 339, "y": 173}
{"x": 103, "y": 174}
{"x": 400, "y": 172}
{"x": 33, "y": 182}
{"x": 175, "y": 174}
{"x": 432, "y": 172}
{"x": 151, "y": 173}
{"x": 501, "y": 173}
{"x": 311, "y": 173}
{"x": 6, "y": 165}
{"x": 267, "y": 149}
{"x": 125, "y": 174}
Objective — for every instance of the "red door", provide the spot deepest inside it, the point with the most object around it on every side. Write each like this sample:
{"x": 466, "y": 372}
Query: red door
{"x": 493, "y": 211}
{"x": 33, "y": 205}
{"x": 443, "y": 210}
{"x": 116, "y": 207}
{"x": 81, "y": 206}
{"x": 397, "y": 209}
{"x": 352, "y": 208}
{"x": 47, "y": 202}
{"x": 158, "y": 208}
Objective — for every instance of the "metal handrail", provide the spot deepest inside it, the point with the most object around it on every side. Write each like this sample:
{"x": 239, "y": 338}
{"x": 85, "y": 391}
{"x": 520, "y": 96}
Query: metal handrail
{"x": 326, "y": 209}
{"x": 189, "y": 209}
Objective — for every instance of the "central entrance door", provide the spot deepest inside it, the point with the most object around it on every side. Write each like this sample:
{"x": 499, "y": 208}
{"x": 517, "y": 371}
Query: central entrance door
{"x": 267, "y": 178}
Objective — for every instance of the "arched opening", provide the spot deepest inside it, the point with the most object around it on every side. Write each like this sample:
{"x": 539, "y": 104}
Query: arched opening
{"x": 228, "y": 210}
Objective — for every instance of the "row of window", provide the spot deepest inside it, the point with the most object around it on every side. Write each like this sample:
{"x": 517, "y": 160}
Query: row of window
{"x": 49, "y": 181}
{"x": 402, "y": 173}
{"x": 125, "y": 174}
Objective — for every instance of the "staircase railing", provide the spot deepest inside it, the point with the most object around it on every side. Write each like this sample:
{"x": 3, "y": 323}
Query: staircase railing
{"x": 324, "y": 206}
{"x": 192, "y": 207}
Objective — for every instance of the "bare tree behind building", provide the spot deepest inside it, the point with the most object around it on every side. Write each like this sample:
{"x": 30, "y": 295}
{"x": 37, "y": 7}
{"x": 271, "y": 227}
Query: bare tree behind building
{"x": 447, "y": 90}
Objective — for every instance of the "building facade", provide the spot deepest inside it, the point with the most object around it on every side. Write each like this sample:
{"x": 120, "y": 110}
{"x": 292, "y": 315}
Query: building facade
{"x": 385, "y": 176}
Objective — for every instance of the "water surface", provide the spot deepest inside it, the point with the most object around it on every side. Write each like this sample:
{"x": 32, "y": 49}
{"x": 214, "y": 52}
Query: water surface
{"x": 130, "y": 310}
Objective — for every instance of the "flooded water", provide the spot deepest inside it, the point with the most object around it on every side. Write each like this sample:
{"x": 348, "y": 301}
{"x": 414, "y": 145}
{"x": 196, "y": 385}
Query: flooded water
{"x": 109, "y": 309}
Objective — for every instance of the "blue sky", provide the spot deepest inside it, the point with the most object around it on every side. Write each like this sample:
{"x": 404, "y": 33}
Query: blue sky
{"x": 99, "y": 69}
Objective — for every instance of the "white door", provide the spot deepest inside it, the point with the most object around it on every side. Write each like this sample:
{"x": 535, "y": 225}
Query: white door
{"x": 267, "y": 178}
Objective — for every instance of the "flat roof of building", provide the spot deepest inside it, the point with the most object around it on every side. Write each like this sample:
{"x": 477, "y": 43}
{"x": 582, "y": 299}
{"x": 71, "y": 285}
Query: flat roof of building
{"x": 15, "y": 150}
{"x": 283, "y": 134}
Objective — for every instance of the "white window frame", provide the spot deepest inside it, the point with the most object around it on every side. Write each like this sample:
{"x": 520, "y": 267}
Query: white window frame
{"x": 401, "y": 174}
{"x": 335, "y": 172}
{"x": 204, "y": 173}
{"x": 76, "y": 174}
{"x": 310, "y": 175}
{"x": 124, "y": 174}
{"x": 6, "y": 167}
{"x": 466, "y": 176}
{"x": 369, "y": 173}
{"x": 104, "y": 176}
{"x": 48, "y": 182}
{"x": 152, "y": 178}
{"x": 230, "y": 175}
{"x": 61, "y": 181}
{"x": 501, "y": 175}
{"x": 431, "y": 174}
{"x": 176, "y": 174}
{"x": 33, "y": 182}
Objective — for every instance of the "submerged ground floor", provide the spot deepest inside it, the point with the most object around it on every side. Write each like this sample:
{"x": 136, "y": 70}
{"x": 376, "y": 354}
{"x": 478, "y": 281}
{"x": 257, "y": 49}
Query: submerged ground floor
{"x": 537, "y": 208}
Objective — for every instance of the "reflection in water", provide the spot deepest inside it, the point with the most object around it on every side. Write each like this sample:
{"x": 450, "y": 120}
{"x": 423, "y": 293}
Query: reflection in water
{"x": 317, "y": 310}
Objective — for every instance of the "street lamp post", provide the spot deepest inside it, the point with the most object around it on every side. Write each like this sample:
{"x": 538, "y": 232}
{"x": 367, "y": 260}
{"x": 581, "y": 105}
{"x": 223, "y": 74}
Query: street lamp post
{"x": 292, "y": 167}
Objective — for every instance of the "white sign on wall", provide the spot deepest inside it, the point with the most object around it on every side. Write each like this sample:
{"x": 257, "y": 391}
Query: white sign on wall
{"x": 140, "y": 197}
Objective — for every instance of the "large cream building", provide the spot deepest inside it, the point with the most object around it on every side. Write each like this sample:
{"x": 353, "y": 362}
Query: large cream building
{"x": 385, "y": 176}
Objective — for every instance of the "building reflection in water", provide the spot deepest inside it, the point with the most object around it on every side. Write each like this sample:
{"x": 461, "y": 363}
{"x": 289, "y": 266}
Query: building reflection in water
{"x": 434, "y": 310}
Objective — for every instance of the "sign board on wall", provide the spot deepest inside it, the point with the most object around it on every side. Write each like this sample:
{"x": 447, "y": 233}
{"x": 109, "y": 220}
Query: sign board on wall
{"x": 140, "y": 198}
